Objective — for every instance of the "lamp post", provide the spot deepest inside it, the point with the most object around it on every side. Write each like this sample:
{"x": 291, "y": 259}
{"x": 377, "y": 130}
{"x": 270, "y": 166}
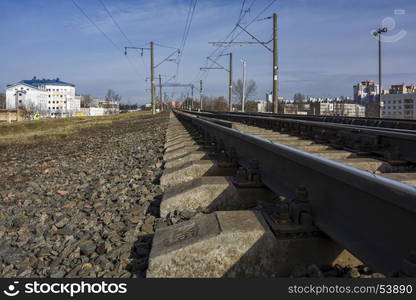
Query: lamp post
{"x": 244, "y": 85}
{"x": 378, "y": 34}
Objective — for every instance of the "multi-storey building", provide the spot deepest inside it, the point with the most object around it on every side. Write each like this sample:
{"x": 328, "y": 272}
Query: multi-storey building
{"x": 49, "y": 97}
{"x": 365, "y": 92}
{"x": 399, "y": 103}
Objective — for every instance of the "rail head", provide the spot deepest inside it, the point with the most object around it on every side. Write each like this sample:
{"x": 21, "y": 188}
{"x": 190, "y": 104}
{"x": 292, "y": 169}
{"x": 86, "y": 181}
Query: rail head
{"x": 369, "y": 215}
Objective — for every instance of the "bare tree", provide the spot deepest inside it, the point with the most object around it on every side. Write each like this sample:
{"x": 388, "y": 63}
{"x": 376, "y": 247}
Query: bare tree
{"x": 251, "y": 89}
{"x": 217, "y": 104}
{"x": 299, "y": 100}
{"x": 86, "y": 100}
{"x": 112, "y": 96}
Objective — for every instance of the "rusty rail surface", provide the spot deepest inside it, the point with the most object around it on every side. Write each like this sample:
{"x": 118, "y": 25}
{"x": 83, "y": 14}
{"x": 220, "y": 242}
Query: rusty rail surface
{"x": 371, "y": 216}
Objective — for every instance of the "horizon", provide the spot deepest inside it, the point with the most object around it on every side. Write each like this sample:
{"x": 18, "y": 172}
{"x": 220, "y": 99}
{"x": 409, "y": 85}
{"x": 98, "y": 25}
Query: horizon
{"x": 320, "y": 54}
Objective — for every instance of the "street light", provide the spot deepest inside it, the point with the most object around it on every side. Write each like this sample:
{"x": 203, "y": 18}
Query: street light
{"x": 378, "y": 34}
{"x": 244, "y": 85}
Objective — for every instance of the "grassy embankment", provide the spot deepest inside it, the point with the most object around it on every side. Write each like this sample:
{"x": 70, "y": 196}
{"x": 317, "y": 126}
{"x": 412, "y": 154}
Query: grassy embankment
{"x": 37, "y": 131}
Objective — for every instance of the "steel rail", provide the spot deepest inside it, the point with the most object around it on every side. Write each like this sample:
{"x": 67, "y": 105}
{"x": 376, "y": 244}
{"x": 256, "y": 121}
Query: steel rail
{"x": 364, "y": 121}
{"x": 381, "y": 141}
{"x": 371, "y": 216}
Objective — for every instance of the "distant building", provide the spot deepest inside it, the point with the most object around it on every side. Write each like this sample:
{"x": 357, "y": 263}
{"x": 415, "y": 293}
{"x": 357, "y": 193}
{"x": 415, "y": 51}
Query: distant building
{"x": 365, "y": 92}
{"x": 399, "y": 102}
{"x": 337, "y": 109}
{"x": 294, "y": 108}
{"x": 48, "y": 97}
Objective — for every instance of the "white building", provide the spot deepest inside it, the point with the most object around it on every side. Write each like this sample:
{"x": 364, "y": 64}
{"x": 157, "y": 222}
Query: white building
{"x": 400, "y": 103}
{"x": 49, "y": 97}
{"x": 338, "y": 109}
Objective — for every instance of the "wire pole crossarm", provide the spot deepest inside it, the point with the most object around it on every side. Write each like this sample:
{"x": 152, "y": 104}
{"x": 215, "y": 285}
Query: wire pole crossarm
{"x": 238, "y": 43}
{"x": 136, "y": 48}
{"x": 167, "y": 58}
{"x": 213, "y": 68}
{"x": 221, "y": 67}
{"x": 260, "y": 42}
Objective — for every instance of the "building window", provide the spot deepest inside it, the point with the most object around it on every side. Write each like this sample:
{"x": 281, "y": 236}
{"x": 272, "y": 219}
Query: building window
{"x": 49, "y": 107}
{"x": 49, "y": 101}
{"x": 20, "y": 101}
{"x": 49, "y": 96}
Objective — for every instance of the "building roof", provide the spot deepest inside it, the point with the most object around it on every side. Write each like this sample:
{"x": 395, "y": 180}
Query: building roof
{"x": 36, "y": 83}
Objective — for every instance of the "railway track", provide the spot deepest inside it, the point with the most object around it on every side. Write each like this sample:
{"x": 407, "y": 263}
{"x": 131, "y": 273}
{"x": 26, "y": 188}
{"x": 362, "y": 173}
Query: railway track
{"x": 360, "y": 121}
{"x": 275, "y": 193}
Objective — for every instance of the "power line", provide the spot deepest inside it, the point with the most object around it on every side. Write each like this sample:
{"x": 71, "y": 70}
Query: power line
{"x": 123, "y": 33}
{"x": 226, "y": 46}
{"x": 115, "y": 22}
{"x": 241, "y": 11}
{"x": 119, "y": 49}
{"x": 186, "y": 31}
{"x": 96, "y": 26}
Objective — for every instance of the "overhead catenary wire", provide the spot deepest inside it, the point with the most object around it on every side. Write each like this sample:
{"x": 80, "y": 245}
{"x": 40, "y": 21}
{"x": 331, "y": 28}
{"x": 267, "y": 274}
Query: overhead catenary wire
{"x": 118, "y": 48}
{"x": 122, "y": 32}
{"x": 185, "y": 34}
{"x": 116, "y": 23}
{"x": 234, "y": 35}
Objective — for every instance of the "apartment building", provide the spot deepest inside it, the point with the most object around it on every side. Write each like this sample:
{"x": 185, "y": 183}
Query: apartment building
{"x": 365, "y": 92}
{"x": 399, "y": 103}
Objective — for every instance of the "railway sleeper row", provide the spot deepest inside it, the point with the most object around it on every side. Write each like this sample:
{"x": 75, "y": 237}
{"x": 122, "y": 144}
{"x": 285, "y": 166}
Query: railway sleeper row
{"x": 364, "y": 161}
{"x": 242, "y": 229}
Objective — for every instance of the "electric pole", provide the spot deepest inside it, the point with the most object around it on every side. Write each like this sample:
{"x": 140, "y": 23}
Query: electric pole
{"x": 152, "y": 79}
{"x": 244, "y": 84}
{"x": 275, "y": 66}
{"x": 160, "y": 92}
{"x": 200, "y": 95}
{"x": 274, "y": 51}
{"x": 230, "y": 87}
{"x": 230, "y": 72}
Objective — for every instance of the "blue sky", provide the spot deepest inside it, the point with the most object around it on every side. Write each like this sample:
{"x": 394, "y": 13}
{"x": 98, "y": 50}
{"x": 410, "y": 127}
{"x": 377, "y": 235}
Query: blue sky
{"x": 325, "y": 46}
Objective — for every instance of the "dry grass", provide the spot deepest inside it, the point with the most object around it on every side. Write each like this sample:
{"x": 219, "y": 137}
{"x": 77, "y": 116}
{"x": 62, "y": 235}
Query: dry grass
{"x": 29, "y": 132}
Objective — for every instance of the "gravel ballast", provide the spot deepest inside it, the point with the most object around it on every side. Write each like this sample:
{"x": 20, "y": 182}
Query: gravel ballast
{"x": 84, "y": 206}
